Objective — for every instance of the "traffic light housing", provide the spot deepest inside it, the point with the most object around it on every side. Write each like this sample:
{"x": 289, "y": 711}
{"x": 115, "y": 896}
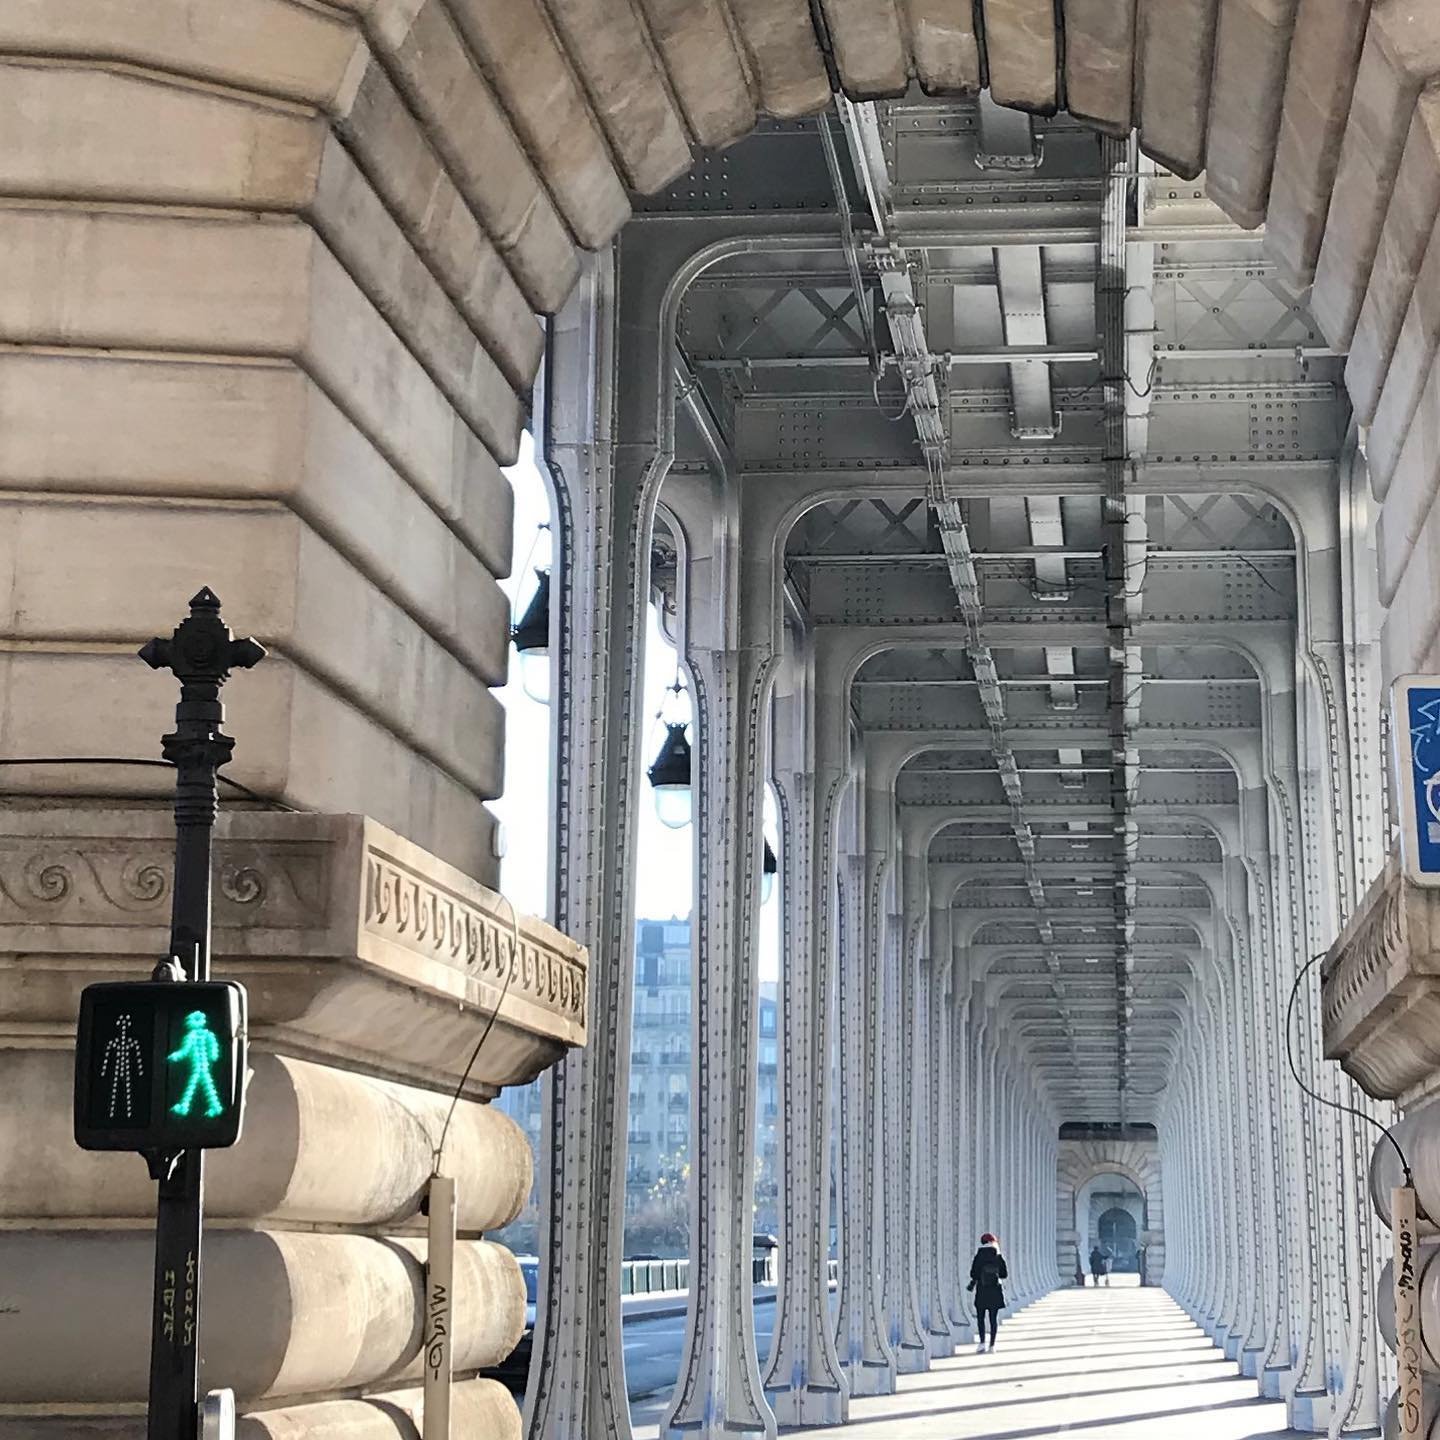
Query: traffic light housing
{"x": 160, "y": 1066}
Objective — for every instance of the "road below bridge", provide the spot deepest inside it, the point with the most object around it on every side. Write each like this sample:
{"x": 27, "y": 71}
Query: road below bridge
{"x": 653, "y": 1345}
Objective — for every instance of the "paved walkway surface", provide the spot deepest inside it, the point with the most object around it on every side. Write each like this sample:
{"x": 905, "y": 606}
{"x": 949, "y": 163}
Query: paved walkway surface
{"x": 1107, "y": 1364}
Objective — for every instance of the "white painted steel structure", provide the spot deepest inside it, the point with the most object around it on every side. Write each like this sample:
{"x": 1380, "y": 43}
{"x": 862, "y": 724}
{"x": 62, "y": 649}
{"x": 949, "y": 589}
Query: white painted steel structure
{"x": 1014, "y": 526}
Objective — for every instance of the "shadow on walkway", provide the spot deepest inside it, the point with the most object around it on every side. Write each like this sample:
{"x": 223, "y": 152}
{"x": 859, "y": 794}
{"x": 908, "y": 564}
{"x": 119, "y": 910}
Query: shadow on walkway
{"x": 1116, "y": 1364}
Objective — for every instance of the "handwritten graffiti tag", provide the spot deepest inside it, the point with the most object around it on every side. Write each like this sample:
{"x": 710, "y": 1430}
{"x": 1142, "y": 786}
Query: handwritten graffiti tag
{"x": 1410, "y": 1405}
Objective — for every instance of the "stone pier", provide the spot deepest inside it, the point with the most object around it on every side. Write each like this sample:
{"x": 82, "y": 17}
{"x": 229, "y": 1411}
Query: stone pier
{"x": 371, "y": 968}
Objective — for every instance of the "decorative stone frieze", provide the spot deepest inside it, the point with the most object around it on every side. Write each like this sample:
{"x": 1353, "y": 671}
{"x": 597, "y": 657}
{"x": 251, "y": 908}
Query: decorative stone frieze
{"x": 352, "y": 940}
{"x": 1381, "y": 989}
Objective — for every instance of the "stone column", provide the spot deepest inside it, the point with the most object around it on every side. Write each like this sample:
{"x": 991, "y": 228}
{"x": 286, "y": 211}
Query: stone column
{"x": 350, "y": 941}
{"x": 803, "y": 1379}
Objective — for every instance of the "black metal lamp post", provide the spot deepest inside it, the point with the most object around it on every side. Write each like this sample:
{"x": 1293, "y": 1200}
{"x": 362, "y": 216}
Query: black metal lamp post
{"x": 200, "y": 654}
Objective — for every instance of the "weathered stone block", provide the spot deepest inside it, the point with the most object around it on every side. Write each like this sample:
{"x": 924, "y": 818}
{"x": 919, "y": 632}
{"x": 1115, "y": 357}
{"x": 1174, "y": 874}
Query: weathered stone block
{"x": 1410, "y": 499}
{"x": 1407, "y": 374}
{"x": 1177, "y": 38}
{"x": 1100, "y": 63}
{"x": 869, "y": 48}
{"x": 1402, "y": 52}
{"x": 695, "y": 42}
{"x": 523, "y": 62}
{"x": 302, "y": 52}
{"x": 1417, "y": 1134}
{"x": 623, "y": 79}
{"x": 1247, "y": 87}
{"x": 288, "y": 1313}
{"x": 320, "y": 1146}
{"x": 77, "y": 423}
{"x": 479, "y": 1410}
{"x": 1023, "y": 50}
{"x": 944, "y": 46}
{"x": 1323, "y": 56}
{"x": 780, "y": 45}
{"x": 400, "y": 161}
{"x": 467, "y": 126}
{"x": 355, "y": 943}
{"x": 59, "y": 140}
{"x": 296, "y": 594}
{"x": 299, "y": 742}
{"x": 239, "y": 287}
{"x": 1409, "y": 225}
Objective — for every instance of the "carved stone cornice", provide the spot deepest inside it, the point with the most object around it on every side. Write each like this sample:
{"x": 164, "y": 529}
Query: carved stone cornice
{"x": 356, "y": 945}
{"x": 1380, "y": 991}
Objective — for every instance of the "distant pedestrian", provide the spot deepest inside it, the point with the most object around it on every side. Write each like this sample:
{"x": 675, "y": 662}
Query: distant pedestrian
{"x": 987, "y": 1271}
{"x": 1099, "y": 1265}
{"x": 1141, "y": 1264}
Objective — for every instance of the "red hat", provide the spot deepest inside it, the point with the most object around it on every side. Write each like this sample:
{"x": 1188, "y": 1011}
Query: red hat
{"x": 988, "y": 1239}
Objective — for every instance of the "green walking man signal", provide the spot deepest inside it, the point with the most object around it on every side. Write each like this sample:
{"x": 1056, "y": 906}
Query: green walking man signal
{"x": 200, "y": 1051}
{"x": 160, "y": 1066}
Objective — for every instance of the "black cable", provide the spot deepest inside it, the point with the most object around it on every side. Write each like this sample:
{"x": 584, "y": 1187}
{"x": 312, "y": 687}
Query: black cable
{"x": 245, "y": 790}
{"x": 1320, "y": 1099}
{"x": 480, "y": 1043}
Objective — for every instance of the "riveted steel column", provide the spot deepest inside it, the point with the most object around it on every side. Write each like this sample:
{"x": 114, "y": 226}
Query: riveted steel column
{"x": 803, "y": 1380}
{"x": 907, "y": 1334}
{"x": 606, "y": 460}
{"x": 731, "y": 645}
{"x": 937, "y": 1251}
{"x": 861, "y": 1326}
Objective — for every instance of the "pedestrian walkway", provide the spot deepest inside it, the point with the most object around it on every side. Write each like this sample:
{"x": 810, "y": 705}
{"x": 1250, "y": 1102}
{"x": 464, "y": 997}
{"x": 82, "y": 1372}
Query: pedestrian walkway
{"x": 1108, "y": 1364}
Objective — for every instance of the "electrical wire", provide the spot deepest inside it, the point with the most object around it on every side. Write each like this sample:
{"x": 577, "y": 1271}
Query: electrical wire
{"x": 480, "y": 1043}
{"x": 223, "y": 779}
{"x": 1315, "y": 1095}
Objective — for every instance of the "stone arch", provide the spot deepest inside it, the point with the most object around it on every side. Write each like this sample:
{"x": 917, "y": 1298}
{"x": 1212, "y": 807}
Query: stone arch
{"x": 1080, "y": 1162}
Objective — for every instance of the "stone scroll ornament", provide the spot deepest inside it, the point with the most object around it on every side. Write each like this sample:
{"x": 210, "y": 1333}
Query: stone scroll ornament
{"x": 1409, "y": 1410}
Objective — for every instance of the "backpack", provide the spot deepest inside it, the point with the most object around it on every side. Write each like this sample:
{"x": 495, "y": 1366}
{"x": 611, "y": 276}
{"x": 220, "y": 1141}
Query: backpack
{"x": 989, "y": 1271}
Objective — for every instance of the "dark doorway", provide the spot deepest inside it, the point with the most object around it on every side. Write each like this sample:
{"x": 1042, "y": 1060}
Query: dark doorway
{"x": 1119, "y": 1234}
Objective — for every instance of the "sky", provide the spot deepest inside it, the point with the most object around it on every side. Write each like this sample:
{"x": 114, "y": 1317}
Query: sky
{"x": 665, "y": 880}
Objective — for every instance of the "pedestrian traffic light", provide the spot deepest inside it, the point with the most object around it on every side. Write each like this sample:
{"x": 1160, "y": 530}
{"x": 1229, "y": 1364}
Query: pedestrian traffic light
{"x": 160, "y": 1066}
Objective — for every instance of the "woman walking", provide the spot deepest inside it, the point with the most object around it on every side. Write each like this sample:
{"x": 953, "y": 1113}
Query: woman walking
{"x": 987, "y": 1270}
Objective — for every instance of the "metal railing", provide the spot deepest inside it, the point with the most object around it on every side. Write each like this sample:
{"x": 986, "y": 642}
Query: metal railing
{"x": 658, "y": 1277}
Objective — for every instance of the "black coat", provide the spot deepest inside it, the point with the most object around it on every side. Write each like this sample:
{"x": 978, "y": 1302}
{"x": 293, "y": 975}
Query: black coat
{"x": 987, "y": 1270}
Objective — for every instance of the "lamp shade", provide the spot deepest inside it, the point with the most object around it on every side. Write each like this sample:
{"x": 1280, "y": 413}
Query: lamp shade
{"x": 769, "y": 868}
{"x": 532, "y": 635}
{"x": 531, "y": 638}
{"x": 670, "y": 778}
